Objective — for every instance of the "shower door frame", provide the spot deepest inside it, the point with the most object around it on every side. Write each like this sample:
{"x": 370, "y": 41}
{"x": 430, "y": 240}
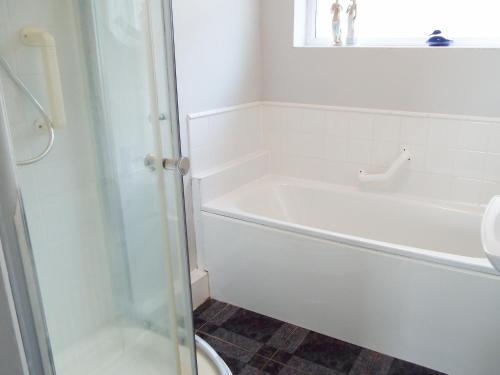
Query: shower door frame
{"x": 28, "y": 318}
{"x": 29, "y": 322}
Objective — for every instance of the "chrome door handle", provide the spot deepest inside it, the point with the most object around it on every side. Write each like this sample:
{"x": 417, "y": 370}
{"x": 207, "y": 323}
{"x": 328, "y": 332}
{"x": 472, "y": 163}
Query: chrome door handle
{"x": 182, "y": 165}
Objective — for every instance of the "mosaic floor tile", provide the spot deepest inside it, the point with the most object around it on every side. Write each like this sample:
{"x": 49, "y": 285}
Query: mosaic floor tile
{"x": 212, "y": 310}
{"x": 252, "y": 325}
{"x": 237, "y": 340}
{"x": 209, "y": 309}
{"x": 249, "y": 370}
{"x": 371, "y": 363}
{"x": 294, "y": 340}
{"x": 329, "y": 352}
{"x": 400, "y": 367}
{"x": 254, "y": 344}
{"x": 309, "y": 367}
{"x": 275, "y": 368}
{"x": 281, "y": 335}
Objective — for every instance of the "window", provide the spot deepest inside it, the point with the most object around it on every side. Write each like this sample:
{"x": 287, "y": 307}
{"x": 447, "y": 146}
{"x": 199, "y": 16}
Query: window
{"x": 409, "y": 22}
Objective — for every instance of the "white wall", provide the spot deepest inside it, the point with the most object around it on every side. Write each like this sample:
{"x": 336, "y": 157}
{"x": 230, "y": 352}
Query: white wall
{"x": 454, "y": 81}
{"x": 218, "y": 62}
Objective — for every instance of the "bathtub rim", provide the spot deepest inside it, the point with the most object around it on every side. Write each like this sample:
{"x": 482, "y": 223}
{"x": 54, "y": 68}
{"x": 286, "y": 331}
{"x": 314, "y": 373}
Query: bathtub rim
{"x": 481, "y": 265}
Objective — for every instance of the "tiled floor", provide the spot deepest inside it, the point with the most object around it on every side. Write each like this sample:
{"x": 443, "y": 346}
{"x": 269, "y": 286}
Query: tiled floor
{"x": 253, "y": 344}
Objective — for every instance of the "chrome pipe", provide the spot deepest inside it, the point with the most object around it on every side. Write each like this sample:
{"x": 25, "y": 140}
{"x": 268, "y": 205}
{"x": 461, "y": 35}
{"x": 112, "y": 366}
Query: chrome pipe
{"x": 20, "y": 84}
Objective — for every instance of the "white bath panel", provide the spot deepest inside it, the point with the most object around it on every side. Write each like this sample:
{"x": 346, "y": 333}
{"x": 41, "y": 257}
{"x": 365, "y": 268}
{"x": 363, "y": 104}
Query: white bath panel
{"x": 441, "y": 317}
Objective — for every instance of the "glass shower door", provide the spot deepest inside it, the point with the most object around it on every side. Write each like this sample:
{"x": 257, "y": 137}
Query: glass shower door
{"x": 106, "y": 220}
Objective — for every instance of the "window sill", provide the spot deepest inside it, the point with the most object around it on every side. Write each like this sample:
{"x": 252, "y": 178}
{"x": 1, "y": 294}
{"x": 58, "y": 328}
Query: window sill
{"x": 392, "y": 46}
{"x": 404, "y": 44}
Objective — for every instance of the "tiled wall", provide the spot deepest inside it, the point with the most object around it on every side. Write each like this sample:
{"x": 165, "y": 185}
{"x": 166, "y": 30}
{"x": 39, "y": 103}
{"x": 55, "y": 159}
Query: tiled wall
{"x": 60, "y": 193}
{"x": 219, "y": 137}
{"x": 453, "y": 158}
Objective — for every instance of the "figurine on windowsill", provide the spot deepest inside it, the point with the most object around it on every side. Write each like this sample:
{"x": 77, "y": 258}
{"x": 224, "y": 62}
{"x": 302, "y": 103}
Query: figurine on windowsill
{"x": 336, "y": 27}
{"x": 437, "y": 40}
{"x": 352, "y": 13}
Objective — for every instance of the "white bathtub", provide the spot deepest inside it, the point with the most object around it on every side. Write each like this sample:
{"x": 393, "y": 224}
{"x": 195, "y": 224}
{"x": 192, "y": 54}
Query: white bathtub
{"x": 446, "y": 234}
{"x": 404, "y": 277}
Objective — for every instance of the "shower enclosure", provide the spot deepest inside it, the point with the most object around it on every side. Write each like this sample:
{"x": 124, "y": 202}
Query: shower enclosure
{"x": 93, "y": 233}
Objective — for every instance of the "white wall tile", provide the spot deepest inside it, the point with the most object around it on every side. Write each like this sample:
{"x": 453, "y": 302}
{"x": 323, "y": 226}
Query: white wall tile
{"x": 277, "y": 141}
{"x": 313, "y": 121}
{"x": 336, "y": 148}
{"x": 291, "y": 119}
{"x": 443, "y": 132}
{"x": 469, "y": 164}
{"x": 309, "y": 168}
{"x": 361, "y": 126}
{"x": 201, "y": 159}
{"x": 306, "y": 144}
{"x": 414, "y": 130}
{"x": 338, "y": 124}
{"x": 220, "y": 138}
{"x": 449, "y": 159}
{"x": 492, "y": 169}
{"x": 271, "y": 117}
{"x": 336, "y": 172}
{"x": 271, "y": 125}
{"x": 473, "y": 136}
{"x": 360, "y": 151}
{"x": 494, "y": 141}
{"x": 199, "y": 132}
{"x": 386, "y": 128}
{"x": 439, "y": 159}
{"x": 489, "y": 189}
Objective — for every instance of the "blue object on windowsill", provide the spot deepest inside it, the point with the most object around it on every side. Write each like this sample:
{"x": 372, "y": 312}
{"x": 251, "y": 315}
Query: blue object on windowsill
{"x": 436, "y": 40}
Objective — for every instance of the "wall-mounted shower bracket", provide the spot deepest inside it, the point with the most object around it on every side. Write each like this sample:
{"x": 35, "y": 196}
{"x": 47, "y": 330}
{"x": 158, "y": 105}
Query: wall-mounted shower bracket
{"x": 38, "y": 37}
{"x": 396, "y": 165}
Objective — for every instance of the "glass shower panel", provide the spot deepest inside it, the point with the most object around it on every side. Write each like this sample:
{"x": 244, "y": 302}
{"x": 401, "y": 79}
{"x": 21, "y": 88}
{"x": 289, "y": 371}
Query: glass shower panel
{"x": 107, "y": 229}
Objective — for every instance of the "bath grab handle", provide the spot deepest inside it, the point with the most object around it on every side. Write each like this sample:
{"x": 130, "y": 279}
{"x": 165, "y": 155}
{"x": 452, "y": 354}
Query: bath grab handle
{"x": 37, "y": 37}
{"x": 389, "y": 174}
